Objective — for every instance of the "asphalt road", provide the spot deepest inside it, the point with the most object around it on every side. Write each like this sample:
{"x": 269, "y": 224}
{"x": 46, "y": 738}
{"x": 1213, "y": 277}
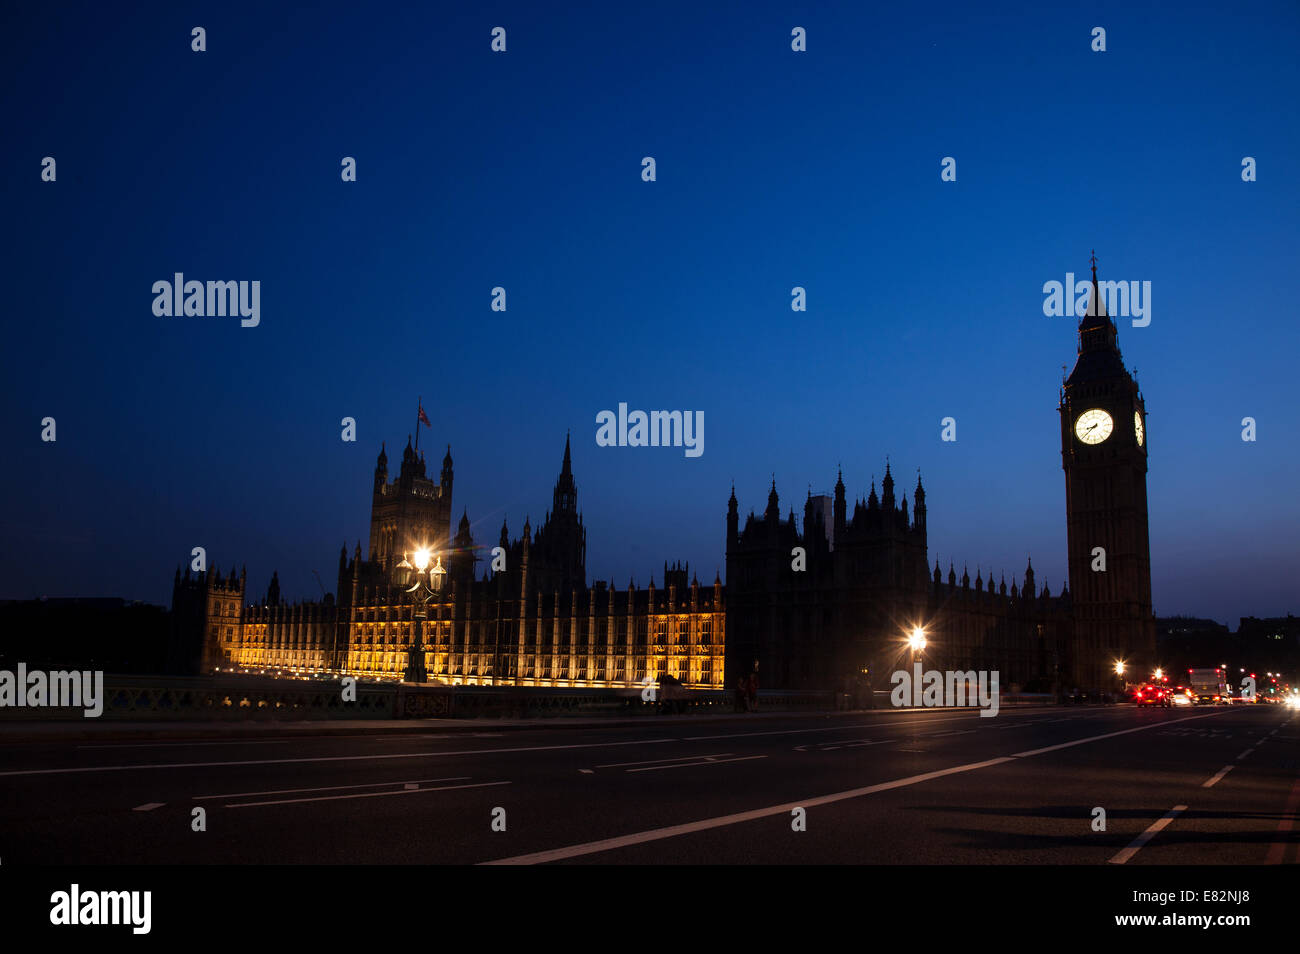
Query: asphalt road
{"x": 1193, "y": 786}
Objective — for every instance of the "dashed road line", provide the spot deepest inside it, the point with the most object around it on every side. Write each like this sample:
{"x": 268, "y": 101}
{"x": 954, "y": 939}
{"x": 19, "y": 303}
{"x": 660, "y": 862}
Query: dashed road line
{"x": 1142, "y": 839}
{"x": 1218, "y": 775}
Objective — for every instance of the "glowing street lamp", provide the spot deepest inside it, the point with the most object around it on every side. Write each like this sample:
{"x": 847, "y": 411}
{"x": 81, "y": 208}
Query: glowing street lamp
{"x": 917, "y": 642}
{"x": 423, "y": 583}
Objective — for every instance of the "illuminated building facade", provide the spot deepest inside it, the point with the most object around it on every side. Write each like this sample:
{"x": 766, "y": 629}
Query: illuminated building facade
{"x": 534, "y": 622}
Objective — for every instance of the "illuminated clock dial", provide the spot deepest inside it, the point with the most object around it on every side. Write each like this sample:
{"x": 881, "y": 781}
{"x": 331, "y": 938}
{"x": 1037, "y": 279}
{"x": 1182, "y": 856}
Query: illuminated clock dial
{"x": 1093, "y": 426}
{"x": 1138, "y": 429}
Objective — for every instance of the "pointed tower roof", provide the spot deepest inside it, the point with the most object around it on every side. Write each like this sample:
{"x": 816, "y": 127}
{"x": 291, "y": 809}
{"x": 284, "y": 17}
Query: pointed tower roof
{"x": 1099, "y": 355}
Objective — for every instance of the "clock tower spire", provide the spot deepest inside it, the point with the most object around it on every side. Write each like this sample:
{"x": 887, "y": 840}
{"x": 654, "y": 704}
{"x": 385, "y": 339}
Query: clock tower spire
{"x": 1104, "y": 455}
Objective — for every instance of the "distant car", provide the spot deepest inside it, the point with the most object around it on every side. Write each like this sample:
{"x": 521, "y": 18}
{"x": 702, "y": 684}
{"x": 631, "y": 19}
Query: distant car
{"x": 1150, "y": 695}
{"x": 1182, "y": 696}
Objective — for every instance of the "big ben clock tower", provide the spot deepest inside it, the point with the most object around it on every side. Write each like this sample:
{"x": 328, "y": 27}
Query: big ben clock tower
{"x": 1104, "y": 443}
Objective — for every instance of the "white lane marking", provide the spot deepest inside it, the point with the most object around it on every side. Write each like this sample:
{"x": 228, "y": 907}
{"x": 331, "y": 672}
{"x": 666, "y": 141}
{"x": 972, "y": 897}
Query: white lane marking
{"x": 656, "y": 834}
{"x": 330, "y": 788}
{"x": 834, "y": 728}
{"x": 148, "y": 806}
{"x": 885, "y": 723}
{"x": 1108, "y": 735}
{"x": 442, "y": 737}
{"x": 326, "y": 758}
{"x": 941, "y": 735}
{"x": 680, "y": 758}
{"x": 1218, "y": 775}
{"x": 641, "y": 837}
{"x": 410, "y": 786}
{"x": 1147, "y": 835}
{"x": 336, "y": 798}
{"x": 656, "y": 768}
{"x": 1244, "y": 754}
{"x": 587, "y": 771}
{"x": 152, "y": 745}
{"x": 841, "y": 744}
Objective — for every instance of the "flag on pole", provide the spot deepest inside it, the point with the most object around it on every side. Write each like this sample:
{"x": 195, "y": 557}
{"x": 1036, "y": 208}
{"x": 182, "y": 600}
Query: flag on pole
{"x": 424, "y": 418}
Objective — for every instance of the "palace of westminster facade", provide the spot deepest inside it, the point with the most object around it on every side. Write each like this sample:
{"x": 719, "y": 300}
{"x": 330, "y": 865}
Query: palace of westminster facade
{"x": 863, "y": 583}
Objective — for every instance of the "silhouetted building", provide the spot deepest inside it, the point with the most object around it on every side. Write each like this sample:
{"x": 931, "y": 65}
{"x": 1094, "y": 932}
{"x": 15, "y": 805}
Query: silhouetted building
{"x": 813, "y": 619}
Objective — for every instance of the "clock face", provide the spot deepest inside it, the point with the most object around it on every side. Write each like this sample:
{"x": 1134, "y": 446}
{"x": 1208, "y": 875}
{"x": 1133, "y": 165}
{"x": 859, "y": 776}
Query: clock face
{"x": 1138, "y": 429}
{"x": 1093, "y": 426}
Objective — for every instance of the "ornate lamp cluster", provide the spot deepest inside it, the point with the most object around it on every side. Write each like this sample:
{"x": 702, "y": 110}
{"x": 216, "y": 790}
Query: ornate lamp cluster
{"x": 423, "y": 584}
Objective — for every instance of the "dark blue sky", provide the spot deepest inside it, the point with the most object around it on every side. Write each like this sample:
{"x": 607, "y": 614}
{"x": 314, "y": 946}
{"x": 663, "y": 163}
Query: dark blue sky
{"x": 775, "y": 169}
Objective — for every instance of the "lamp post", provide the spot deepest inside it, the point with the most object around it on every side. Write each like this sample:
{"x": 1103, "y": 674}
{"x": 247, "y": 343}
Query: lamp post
{"x": 424, "y": 583}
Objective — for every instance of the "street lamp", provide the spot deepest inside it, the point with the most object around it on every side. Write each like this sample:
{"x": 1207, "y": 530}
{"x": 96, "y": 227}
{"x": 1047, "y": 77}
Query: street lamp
{"x": 423, "y": 583}
{"x": 916, "y": 642}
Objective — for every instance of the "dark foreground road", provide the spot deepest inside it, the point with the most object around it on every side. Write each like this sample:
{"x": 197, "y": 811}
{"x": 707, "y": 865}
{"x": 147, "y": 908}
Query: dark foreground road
{"x": 1186, "y": 786}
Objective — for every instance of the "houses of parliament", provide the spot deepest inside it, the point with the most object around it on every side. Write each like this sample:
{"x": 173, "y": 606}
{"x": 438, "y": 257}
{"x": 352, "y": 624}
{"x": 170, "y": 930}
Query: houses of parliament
{"x": 840, "y": 612}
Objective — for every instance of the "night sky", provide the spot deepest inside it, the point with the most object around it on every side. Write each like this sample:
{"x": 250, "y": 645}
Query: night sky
{"x": 523, "y": 170}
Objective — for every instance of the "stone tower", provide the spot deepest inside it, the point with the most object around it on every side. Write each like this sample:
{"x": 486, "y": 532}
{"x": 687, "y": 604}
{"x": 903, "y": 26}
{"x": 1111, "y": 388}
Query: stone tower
{"x": 1104, "y": 444}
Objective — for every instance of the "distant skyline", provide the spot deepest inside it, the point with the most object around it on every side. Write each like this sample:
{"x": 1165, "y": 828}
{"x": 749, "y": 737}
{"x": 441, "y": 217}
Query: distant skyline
{"x": 522, "y": 170}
